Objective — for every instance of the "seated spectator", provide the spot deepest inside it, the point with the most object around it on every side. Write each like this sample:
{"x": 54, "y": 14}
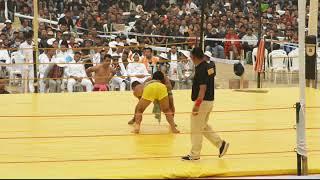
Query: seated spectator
{"x": 8, "y": 29}
{"x": 249, "y": 41}
{"x": 3, "y": 86}
{"x": 185, "y": 70}
{"x": 232, "y": 46}
{"x": 4, "y": 54}
{"x": 119, "y": 80}
{"x": 137, "y": 70}
{"x": 76, "y": 73}
{"x": 214, "y": 46}
{"x": 54, "y": 73}
{"x": 25, "y": 26}
{"x": 45, "y": 58}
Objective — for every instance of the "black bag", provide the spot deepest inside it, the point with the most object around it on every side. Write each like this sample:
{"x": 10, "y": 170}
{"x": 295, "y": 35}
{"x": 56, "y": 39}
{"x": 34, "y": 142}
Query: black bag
{"x": 238, "y": 69}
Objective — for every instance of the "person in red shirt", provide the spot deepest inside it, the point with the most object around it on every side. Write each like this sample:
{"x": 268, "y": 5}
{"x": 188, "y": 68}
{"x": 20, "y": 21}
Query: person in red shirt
{"x": 233, "y": 46}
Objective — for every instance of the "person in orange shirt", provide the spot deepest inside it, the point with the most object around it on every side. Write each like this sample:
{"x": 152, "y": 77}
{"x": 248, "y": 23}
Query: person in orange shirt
{"x": 149, "y": 60}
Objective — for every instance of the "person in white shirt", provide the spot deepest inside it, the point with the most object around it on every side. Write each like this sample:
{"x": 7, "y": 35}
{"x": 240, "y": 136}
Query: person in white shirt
{"x": 119, "y": 79}
{"x": 249, "y": 41}
{"x": 77, "y": 73}
{"x": 137, "y": 70}
{"x": 185, "y": 70}
{"x": 173, "y": 58}
{"x": 26, "y": 49}
{"x": 191, "y": 5}
{"x": 45, "y": 59}
{"x": 4, "y": 59}
{"x": 4, "y": 54}
{"x": 96, "y": 59}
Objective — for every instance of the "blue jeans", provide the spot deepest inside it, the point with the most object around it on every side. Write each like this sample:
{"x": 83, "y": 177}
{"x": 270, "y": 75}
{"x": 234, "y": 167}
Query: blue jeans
{"x": 217, "y": 51}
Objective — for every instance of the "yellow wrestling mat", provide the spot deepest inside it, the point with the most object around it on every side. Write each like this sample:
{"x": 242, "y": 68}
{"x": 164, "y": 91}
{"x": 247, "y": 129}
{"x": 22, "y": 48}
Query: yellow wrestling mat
{"x": 84, "y": 135}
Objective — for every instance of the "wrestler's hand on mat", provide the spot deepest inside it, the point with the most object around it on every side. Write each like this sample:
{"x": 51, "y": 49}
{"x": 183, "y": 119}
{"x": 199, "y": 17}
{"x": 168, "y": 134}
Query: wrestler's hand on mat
{"x": 195, "y": 110}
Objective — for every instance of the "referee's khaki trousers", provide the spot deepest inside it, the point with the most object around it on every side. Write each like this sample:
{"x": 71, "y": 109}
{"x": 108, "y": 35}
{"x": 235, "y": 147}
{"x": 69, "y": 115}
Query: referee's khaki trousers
{"x": 200, "y": 128}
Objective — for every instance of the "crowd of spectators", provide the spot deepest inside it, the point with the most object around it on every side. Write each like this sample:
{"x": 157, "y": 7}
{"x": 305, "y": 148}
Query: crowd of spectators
{"x": 89, "y": 23}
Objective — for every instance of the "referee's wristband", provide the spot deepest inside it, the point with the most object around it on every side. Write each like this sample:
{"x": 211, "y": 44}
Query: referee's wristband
{"x": 198, "y": 103}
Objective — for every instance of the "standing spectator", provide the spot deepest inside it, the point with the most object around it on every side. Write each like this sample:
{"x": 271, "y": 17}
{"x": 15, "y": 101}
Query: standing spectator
{"x": 173, "y": 70}
{"x": 26, "y": 49}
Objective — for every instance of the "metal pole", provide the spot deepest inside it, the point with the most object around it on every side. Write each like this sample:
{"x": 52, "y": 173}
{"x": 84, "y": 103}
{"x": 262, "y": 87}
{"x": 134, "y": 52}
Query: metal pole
{"x": 36, "y": 46}
{"x": 259, "y": 37}
{"x": 313, "y": 30}
{"x": 299, "y": 158}
{"x": 202, "y": 24}
{"x": 301, "y": 133}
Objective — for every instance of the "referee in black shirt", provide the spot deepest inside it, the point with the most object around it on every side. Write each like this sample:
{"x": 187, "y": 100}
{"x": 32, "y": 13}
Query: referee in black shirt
{"x": 203, "y": 96}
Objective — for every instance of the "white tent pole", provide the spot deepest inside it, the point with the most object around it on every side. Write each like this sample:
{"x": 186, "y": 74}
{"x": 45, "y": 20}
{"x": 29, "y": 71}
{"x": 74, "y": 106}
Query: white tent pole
{"x": 301, "y": 134}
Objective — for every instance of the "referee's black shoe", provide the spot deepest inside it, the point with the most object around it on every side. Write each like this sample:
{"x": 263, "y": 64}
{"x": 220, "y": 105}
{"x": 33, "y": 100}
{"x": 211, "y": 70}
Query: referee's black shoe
{"x": 223, "y": 149}
{"x": 189, "y": 158}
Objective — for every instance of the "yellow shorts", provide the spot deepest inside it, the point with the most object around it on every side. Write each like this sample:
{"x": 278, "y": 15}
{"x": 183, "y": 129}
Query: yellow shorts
{"x": 155, "y": 91}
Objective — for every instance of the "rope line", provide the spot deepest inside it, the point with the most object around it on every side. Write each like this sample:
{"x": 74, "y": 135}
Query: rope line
{"x": 98, "y": 47}
{"x": 147, "y": 158}
{"x": 133, "y": 158}
{"x": 147, "y": 134}
{"x": 131, "y": 114}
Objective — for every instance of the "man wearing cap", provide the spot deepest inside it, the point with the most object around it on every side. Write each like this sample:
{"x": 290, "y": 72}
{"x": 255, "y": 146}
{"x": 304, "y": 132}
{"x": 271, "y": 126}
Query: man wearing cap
{"x": 8, "y": 29}
{"x": 203, "y": 97}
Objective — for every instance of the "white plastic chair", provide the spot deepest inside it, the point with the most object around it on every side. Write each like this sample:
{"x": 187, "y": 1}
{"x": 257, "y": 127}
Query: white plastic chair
{"x": 15, "y": 70}
{"x": 278, "y": 63}
{"x": 294, "y": 62}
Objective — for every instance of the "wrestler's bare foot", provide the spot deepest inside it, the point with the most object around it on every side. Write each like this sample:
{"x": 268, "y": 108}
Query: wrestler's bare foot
{"x": 175, "y": 130}
{"x": 136, "y": 129}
